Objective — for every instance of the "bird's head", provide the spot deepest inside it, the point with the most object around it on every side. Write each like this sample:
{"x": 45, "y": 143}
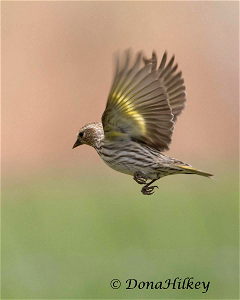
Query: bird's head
{"x": 91, "y": 134}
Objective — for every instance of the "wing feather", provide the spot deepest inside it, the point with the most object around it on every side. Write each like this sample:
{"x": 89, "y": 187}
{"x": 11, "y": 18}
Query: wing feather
{"x": 144, "y": 101}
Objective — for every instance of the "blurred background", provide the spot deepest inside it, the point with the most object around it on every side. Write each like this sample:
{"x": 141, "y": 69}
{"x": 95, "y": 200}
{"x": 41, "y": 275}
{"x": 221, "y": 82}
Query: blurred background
{"x": 70, "y": 224}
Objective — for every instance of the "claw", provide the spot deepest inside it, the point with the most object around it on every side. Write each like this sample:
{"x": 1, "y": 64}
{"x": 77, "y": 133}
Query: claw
{"x": 148, "y": 190}
{"x": 140, "y": 178}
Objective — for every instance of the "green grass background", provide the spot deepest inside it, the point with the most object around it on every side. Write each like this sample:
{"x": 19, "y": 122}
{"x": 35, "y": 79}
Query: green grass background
{"x": 67, "y": 233}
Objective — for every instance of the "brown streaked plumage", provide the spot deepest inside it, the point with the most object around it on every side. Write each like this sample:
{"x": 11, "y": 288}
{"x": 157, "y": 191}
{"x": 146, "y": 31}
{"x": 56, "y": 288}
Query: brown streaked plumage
{"x": 138, "y": 122}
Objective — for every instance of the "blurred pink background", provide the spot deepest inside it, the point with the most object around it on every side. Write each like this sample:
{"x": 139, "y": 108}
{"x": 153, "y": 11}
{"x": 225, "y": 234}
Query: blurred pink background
{"x": 57, "y": 70}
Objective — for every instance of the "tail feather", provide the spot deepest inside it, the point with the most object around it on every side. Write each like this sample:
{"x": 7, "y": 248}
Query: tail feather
{"x": 191, "y": 170}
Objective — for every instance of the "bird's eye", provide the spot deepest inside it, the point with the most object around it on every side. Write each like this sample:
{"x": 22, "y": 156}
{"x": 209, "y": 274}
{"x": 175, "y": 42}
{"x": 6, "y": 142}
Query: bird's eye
{"x": 81, "y": 134}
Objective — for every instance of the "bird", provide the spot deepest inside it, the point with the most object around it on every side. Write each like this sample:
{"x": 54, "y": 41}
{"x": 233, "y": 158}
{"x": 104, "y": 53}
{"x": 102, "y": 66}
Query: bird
{"x": 143, "y": 105}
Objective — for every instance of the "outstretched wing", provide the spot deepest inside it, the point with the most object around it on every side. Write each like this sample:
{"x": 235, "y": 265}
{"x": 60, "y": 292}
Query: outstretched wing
{"x": 139, "y": 105}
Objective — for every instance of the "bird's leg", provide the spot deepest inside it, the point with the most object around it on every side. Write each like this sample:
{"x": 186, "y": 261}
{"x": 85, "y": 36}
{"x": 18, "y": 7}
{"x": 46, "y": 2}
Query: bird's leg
{"x": 140, "y": 178}
{"x": 147, "y": 189}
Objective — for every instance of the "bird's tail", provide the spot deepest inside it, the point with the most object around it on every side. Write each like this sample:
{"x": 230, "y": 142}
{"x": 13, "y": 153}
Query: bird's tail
{"x": 191, "y": 170}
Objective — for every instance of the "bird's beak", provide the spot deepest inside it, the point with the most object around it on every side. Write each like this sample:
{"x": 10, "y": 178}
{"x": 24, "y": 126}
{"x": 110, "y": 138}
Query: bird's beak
{"x": 77, "y": 143}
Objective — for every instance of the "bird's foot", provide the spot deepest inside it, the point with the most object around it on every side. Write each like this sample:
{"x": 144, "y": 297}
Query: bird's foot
{"x": 148, "y": 190}
{"x": 140, "y": 178}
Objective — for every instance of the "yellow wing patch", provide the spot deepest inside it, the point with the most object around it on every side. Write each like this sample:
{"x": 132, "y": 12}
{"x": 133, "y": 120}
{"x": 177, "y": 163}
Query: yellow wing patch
{"x": 129, "y": 110}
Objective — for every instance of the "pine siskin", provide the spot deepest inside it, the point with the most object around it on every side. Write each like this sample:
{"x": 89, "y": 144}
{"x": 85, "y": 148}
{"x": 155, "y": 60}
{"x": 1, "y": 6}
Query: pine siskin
{"x": 138, "y": 122}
